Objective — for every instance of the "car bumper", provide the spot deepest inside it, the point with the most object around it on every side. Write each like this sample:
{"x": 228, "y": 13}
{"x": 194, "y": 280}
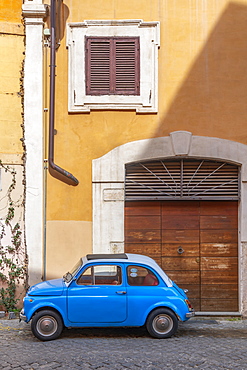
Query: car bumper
{"x": 22, "y": 316}
{"x": 190, "y": 314}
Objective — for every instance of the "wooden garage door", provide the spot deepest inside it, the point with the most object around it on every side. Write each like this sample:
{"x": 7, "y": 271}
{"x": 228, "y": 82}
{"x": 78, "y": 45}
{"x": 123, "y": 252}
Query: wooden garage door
{"x": 195, "y": 242}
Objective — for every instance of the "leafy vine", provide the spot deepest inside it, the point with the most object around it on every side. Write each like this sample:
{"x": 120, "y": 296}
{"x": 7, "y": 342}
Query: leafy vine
{"x": 13, "y": 272}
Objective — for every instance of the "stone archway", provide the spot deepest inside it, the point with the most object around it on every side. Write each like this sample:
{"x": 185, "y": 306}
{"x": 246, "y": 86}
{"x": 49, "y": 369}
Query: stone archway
{"x": 109, "y": 177}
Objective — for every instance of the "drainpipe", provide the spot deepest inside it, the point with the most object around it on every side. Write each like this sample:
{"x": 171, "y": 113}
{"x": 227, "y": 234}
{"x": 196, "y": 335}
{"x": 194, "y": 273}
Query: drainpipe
{"x": 55, "y": 171}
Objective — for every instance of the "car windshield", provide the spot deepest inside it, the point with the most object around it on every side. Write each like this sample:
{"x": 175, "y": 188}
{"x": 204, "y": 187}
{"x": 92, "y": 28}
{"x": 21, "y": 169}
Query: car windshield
{"x": 70, "y": 274}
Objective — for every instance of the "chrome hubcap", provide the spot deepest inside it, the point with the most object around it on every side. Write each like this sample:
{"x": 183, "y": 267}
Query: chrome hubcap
{"x": 47, "y": 326}
{"x": 162, "y": 324}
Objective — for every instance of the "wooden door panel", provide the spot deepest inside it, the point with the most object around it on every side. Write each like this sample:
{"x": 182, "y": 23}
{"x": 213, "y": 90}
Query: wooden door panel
{"x": 142, "y": 222}
{"x": 178, "y": 222}
{"x": 142, "y": 208}
{"x": 218, "y": 222}
{"x": 180, "y": 232}
{"x": 172, "y": 249}
{"x": 186, "y": 236}
{"x": 153, "y": 250}
{"x": 184, "y": 277}
{"x": 219, "y": 277}
{"x": 219, "y": 208}
{"x": 177, "y": 263}
{"x": 219, "y": 305}
{"x": 143, "y": 236}
{"x": 219, "y": 291}
{"x": 219, "y": 236}
{"x": 186, "y": 208}
{"x": 219, "y": 249}
{"x": 218, "y": 264}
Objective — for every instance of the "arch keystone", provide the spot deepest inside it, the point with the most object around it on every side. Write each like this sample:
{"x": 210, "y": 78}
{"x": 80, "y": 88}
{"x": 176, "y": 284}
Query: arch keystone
{"x": 181, "y": 142}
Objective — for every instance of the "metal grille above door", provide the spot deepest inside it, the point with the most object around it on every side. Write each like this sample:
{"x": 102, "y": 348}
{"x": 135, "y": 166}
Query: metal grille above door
{"x": 182, "y": 180}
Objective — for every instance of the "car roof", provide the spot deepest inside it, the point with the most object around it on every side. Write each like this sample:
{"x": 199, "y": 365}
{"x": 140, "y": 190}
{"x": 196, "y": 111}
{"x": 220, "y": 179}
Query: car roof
{"x": 128, "y": 258}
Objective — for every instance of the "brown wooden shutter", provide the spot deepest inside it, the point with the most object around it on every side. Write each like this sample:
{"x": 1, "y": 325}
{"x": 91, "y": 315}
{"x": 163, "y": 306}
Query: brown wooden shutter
{"x": 127, "y": 66}
{"x": 112, "y": 66}
{"x": 97, "y": 66}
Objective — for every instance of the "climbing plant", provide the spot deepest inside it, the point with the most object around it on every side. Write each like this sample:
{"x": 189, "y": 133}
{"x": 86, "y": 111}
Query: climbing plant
{"x": 12, "y": 254}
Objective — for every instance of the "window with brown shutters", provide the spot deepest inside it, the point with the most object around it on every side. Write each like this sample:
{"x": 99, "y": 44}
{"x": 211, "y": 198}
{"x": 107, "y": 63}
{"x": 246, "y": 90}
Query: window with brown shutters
{"x": 112, "y": 66}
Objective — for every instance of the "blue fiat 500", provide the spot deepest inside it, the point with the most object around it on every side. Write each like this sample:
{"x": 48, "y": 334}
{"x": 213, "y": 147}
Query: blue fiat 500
{"x": 107, "y": 290}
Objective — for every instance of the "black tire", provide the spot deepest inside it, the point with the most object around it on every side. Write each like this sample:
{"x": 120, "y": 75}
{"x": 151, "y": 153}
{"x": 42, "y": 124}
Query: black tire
{"x": 46, "y": 325}
{"x": 162, "y": 323}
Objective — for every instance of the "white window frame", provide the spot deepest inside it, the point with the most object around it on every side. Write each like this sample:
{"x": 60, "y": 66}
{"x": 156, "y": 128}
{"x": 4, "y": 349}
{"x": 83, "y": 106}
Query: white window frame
{"x": 149, "y": 33}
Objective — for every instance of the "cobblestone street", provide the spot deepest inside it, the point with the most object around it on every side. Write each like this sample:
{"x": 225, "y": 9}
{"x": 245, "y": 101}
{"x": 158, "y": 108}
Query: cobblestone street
{"x": 200, "y": 343}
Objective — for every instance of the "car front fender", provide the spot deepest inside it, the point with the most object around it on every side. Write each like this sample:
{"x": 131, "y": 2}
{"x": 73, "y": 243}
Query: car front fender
{"x": 42, "y": 306}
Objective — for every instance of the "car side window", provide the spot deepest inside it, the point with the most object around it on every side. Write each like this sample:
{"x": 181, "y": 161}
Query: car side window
{"x": 141, "y": 276}
{"x": 101, "y": 275}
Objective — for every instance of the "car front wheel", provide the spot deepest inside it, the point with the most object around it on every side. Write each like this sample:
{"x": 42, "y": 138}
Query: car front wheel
{"x": 162, "y": 323}
{"x": 46, "y": 325}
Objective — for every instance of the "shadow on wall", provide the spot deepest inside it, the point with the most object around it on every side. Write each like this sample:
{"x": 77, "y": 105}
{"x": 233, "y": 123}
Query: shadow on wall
{"x": 212, "y": 100}
{"x": 62, "y": 14}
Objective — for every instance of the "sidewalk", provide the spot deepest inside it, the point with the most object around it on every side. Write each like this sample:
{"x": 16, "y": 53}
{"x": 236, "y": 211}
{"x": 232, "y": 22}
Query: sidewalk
{"x": 217, "y": 326}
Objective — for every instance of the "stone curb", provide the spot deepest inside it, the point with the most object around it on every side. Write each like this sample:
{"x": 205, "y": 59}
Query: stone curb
{"x": 8, "y": 315}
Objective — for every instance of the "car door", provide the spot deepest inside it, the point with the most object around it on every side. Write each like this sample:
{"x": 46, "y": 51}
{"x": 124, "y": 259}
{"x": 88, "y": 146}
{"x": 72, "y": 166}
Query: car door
{"x": 98, "y": 295}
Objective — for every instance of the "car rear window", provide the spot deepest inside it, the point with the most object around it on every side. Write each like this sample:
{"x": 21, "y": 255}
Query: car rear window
{"x": 141, "y": 276}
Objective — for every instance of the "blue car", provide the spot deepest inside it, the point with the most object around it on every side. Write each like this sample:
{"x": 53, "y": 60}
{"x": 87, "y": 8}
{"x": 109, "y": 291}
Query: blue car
{"x": 104, "y": 290}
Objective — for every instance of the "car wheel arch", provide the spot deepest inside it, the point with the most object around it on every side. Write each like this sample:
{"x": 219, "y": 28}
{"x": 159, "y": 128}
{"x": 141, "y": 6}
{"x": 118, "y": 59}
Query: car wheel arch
{"x": 50, "y": 308}
{"x": 167, "y": 307}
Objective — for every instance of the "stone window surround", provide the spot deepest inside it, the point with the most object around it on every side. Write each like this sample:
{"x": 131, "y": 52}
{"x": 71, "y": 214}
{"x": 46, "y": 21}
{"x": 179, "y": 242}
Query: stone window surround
{"x": 149, "y": 34}
{"x": 108, "y": 187}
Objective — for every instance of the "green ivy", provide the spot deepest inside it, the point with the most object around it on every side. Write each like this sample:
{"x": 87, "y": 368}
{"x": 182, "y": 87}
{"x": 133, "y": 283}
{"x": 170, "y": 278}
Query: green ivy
{"x": 12, "y": 264}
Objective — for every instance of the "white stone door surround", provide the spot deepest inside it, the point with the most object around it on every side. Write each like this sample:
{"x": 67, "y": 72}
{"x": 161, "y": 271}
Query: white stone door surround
{"x": 108, "y": 187}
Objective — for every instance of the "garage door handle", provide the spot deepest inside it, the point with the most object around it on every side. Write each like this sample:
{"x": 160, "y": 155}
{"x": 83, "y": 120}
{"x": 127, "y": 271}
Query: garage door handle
{"x": 121, "y": 292}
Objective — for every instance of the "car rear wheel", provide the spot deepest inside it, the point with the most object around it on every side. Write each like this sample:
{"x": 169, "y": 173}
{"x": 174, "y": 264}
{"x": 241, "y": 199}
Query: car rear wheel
{"x": 46, "y": 325}
{"x": 162, "y": 323}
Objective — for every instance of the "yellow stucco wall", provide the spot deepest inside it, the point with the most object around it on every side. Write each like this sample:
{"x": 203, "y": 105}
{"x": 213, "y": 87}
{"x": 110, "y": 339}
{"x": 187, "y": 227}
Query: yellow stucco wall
{"x": 68, "y": 241}
{"x": 10, "y": 73}
{"x": 11, "y": 58}
{"x": 10, "y": 11}
{"x": 202, "y": 89}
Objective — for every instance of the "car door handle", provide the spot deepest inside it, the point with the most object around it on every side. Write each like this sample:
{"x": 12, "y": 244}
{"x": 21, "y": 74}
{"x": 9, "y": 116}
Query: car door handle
{"x": 121, "y": 292}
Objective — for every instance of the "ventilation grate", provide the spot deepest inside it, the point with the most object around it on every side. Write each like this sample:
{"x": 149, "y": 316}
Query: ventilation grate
{"x": 183, "y": 179}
